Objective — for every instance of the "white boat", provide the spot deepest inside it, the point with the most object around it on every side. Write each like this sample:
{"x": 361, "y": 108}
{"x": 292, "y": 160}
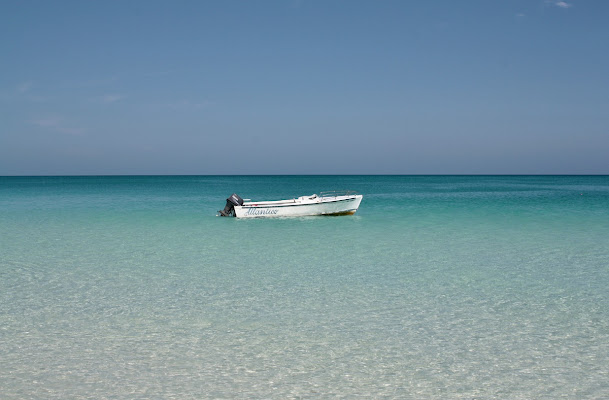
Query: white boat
{"x": 326, "y": 203}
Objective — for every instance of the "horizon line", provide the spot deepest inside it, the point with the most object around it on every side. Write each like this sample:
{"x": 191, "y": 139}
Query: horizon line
{"x": 228, "y": 175}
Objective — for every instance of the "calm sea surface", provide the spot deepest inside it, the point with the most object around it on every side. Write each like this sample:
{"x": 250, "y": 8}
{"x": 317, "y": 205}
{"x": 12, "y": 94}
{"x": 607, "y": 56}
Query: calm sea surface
{"x": 440, "y": 287}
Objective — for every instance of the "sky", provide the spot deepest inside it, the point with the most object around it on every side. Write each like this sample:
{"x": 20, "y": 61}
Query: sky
{"x": 304, "y": 87}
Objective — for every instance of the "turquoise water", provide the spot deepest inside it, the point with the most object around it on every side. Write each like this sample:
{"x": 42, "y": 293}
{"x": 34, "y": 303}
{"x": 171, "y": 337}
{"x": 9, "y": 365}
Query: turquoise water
{"x": 440, "y": 287}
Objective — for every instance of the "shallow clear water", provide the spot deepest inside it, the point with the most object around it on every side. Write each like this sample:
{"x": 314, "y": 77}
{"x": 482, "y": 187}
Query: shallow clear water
{"x": 439, "y": 287}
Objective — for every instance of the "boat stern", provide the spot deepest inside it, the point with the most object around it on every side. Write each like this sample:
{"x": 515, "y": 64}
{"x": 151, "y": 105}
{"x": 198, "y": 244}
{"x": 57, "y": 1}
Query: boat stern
{"x": 229, "y": 210}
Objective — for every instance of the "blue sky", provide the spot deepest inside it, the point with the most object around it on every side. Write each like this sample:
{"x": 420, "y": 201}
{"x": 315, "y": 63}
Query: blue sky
{"x": 304, "y": 87}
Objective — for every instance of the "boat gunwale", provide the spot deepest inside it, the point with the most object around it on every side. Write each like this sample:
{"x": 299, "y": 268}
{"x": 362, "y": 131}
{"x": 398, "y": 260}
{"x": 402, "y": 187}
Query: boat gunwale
{"x": 294, "y": 203}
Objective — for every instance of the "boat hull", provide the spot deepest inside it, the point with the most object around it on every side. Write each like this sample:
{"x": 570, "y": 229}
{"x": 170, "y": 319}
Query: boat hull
{"x": 340, "y": 205}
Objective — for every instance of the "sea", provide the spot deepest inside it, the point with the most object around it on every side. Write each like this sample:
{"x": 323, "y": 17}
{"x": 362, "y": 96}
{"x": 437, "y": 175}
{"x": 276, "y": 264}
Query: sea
{"x": 439, "y": 287}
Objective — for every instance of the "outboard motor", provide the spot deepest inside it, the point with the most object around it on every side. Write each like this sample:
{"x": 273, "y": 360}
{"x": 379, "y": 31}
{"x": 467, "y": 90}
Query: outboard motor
{"x": 231, "y": 202}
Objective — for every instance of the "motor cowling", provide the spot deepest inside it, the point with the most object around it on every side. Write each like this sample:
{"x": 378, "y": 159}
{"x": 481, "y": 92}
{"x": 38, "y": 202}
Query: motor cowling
{"x": 231, "y": 202}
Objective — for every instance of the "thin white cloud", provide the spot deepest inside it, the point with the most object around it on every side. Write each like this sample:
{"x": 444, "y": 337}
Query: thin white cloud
{"x": 161, "y": 73}
{"x": 107, "y": 98}
{"x": 47, "y": 122}
{"x": 111, "y": 98}
{"x": 25, "y": 91}
{"x": 56, "y": 124}
{"x": 91, "y": 83}
{"x": 295, "y": 4}
{"x": 25, "y": 86}
{"x": 559, "y": 3}
{"x": 185, "y": 104}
